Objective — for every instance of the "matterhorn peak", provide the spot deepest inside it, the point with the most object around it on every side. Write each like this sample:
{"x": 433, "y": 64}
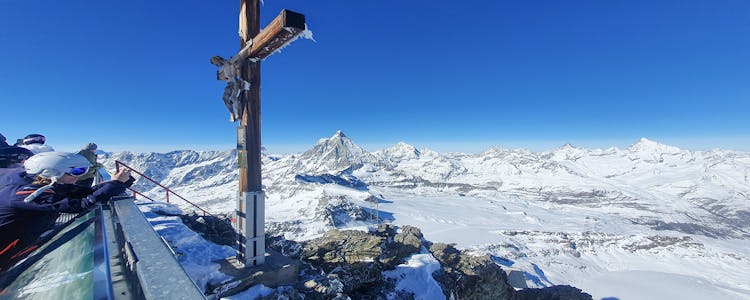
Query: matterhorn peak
{"x": 338, "y": 137}
{"x": 336, "y": 153}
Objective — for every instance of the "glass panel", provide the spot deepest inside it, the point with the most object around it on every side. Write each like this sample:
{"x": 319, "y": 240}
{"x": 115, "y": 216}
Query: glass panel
{"x": 62, "y": 268}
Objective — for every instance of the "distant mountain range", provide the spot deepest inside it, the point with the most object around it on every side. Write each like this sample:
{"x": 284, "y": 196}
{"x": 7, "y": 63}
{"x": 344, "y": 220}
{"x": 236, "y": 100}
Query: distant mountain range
{"x": 545, "y": 212}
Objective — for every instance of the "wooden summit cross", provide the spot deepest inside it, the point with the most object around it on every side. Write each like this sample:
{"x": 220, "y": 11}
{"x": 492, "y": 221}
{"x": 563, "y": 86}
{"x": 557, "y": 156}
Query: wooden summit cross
{"x": 242, "y": 98}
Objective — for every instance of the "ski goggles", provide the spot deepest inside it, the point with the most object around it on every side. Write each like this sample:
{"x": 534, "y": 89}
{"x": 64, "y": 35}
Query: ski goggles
{"x": 78, "y": 171}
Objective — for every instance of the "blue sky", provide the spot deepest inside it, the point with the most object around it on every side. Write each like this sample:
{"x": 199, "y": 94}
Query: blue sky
{"x": 452, "y": 76}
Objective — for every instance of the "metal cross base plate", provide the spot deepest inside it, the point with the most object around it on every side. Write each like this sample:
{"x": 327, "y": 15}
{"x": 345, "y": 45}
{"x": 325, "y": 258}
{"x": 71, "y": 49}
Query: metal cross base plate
{"x": 278, "y": 270}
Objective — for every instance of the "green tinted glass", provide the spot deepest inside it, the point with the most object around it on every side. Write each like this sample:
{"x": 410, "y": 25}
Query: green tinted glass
{"x": 62, "y": 268}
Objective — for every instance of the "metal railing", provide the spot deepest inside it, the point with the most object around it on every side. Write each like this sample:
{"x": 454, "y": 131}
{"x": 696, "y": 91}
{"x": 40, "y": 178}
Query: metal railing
{"x": 167, "y": 191}
{"x": 147, "y": 260}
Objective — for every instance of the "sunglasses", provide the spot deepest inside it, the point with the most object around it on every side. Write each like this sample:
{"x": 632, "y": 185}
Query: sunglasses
{"x": 78, "y": 171}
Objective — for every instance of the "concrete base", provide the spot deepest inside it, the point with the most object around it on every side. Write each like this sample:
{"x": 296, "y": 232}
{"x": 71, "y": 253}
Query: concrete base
{"x": 278, "y": 270}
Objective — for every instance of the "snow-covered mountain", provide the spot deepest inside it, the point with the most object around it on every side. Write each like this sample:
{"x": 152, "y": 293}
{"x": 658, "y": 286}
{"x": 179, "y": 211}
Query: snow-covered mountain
{"x": 336, "y": 154}
{"x": 585, "y": 217}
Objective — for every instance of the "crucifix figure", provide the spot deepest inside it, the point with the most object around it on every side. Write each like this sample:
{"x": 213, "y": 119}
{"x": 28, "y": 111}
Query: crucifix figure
{"x": 242, "y": 98}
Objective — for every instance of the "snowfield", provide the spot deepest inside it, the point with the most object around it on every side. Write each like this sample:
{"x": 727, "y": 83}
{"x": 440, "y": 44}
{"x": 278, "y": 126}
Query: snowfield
{"x": 647, "y": 222}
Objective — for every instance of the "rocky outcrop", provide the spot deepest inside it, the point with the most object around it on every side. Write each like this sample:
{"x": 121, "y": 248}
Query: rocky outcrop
{"x": 217, "y": 228}
{"x": 464, "y": 276}
{"x": 345, "y": 263}
{"x": 350, "y": 265}
{"x": 337, "y": 248}
{"x": 401, "y": 245}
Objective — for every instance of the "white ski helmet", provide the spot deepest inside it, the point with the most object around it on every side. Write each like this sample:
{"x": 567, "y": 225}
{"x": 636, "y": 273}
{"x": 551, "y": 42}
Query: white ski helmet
{"x": 54, "y": 165}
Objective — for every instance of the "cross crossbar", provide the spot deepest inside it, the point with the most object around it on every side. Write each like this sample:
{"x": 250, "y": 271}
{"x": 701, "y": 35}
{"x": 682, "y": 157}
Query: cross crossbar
{"x": 283, "y": 29}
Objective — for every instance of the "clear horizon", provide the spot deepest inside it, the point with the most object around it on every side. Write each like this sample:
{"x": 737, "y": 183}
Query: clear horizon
{"x": 442, "y": 147}
{"x": 461, "y": 77}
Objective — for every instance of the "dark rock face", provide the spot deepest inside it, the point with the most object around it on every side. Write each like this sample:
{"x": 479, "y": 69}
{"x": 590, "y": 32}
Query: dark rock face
{"x": 217, "y": 229}
{"x": 410, "y": 236}
{"x": 286, "y": 247}
{"x": 357, "y": 260}
{"x": 464, "y": 276}
{"x": 401, "y": 245}
{"x": 446, "y": 254}
{"x": 557, "y": 292}
{"x": 349, "y": 262}
{"x": 342, "y": 247}
{"x": 338, "y": 210}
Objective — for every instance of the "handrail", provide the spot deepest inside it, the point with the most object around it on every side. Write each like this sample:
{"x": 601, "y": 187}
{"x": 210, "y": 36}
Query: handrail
{"x": 166, "y": 189}
{"x": 142, "y": 195}
{"x": 148, "y": 259}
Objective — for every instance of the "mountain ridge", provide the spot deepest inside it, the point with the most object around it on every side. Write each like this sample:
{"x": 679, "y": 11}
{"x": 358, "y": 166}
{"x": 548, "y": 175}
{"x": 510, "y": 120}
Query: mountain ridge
{"x": 668, "y": 204}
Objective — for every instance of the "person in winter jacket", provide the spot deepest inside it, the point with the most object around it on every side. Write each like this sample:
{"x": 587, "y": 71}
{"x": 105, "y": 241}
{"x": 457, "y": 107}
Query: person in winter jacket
{"x": 35, "y": 143}
{"x": 30, "y": 205}
{"x": 3, "y": 143}
{"x": 89, "y": 152}
{"x": 14, "y": 156}
{"x": 11, "y": 161}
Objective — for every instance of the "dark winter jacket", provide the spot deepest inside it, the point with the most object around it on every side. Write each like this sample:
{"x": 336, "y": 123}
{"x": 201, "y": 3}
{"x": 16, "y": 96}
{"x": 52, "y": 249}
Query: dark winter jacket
{"x": 12, "y": 175}
{"x": 21, "y": 223}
